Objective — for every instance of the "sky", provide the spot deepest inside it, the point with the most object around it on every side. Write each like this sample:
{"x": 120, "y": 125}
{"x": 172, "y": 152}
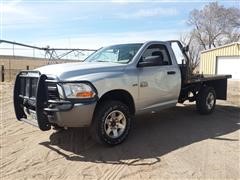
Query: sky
{"x": 93, "y": 24}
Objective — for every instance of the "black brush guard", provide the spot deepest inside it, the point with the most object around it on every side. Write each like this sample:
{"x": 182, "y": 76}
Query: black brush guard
{"x": 38, "y": 100}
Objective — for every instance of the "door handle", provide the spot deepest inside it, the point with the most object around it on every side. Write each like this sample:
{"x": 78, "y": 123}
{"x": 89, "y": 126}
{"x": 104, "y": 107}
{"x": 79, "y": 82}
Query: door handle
{"x": 171, "y": 72}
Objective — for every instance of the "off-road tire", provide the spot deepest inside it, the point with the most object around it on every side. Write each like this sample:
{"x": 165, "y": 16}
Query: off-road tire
{"x": 203, "y": 98}
{"x": 97, "y": 127}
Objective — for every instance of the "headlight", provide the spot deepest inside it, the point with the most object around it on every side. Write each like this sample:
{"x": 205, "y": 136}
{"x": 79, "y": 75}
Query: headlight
{"x": 78, "y": 90}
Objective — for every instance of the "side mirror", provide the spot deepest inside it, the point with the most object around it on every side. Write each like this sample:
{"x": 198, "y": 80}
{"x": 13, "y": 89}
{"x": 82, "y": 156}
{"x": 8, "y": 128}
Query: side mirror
{"x": 150, "y": 61}
{"x": 186, "y": 48}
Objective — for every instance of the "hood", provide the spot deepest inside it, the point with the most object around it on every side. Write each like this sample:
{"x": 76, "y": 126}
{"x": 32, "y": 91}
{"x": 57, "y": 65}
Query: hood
{"x": 69, "y": 70}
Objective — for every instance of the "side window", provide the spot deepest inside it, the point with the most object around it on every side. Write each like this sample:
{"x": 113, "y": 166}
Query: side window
{"x": 157, "y": 50}
{"x": 178, "y": 53}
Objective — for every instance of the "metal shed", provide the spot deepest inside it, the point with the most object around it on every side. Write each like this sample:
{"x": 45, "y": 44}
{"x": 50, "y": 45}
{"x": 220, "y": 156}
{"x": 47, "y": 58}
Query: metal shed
{"x": 221, "y": 60}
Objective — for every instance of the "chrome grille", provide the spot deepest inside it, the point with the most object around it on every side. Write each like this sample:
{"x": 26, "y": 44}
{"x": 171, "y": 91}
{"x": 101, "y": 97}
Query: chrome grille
{"x": 53, "y": 92}
{"x": 28, "y": 86}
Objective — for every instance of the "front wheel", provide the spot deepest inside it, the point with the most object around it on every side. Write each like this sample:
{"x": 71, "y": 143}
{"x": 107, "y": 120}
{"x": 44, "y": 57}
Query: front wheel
{"x": 111, "y": 123}
{"x": 206, "y": 100}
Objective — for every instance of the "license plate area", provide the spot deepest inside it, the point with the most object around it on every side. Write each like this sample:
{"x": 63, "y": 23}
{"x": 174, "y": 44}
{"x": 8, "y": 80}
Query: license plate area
{"x": 31, "y": 117}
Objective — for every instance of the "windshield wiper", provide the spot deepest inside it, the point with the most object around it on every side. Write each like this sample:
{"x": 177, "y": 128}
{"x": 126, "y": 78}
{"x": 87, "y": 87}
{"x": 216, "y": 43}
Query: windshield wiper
{"x": 101, "y": 61}
{"x": 107, "y": 61}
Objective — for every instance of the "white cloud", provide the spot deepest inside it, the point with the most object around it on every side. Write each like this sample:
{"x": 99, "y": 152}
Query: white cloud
{"x": 12, "y": 7}
{"x": 15, "y": 15}
{"x": 153, "y": 12}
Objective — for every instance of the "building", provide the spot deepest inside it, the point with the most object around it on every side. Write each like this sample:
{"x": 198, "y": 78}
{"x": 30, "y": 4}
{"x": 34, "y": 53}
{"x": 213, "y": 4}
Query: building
{"x": 222, "y": 60}
{"x": 11, "y": 65}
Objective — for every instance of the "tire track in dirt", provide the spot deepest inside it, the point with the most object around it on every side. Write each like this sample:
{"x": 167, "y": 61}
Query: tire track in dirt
{"x": 5, "y": 164}
{"x": 113, "y": 172}
{"x": 117, "y": 169}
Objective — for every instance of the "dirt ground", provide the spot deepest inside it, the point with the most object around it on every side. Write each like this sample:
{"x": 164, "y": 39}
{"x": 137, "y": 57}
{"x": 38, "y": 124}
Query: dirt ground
{"x": 175, "y": 143}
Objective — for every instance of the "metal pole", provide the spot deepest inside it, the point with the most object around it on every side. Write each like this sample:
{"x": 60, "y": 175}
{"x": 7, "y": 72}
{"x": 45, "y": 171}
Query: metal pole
{"x": 13, "y": 50}
{"x": 2, "y": 73}
{"x": 9, "y": 69}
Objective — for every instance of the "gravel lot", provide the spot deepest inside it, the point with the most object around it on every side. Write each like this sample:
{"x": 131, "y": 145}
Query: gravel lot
{"x": 175, "y": 143}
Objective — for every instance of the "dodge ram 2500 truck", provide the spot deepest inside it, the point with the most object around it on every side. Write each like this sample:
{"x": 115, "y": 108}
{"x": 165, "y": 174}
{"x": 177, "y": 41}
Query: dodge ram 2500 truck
{"x": 112, "y": 85}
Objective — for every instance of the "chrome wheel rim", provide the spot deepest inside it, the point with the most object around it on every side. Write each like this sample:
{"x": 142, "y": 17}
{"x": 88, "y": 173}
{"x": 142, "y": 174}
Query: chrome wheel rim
{"x": 210, "y": 101}
{"x": 115, "y": 124}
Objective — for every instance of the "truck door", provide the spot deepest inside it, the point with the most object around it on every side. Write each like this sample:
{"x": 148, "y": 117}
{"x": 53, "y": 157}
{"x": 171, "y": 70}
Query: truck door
{"x": 159, "y": 84}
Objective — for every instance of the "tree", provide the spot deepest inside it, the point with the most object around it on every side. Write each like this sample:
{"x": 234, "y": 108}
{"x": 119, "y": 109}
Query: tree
{"x": 194, "y": 50}
{"x": 213, "y": 25}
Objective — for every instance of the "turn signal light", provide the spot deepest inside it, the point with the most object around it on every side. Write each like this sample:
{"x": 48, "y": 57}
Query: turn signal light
{"x": 86, "y": 94}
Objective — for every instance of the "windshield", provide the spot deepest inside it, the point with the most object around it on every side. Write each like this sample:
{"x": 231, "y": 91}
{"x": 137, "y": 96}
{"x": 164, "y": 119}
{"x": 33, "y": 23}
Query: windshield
{"x": 122, "y": 53}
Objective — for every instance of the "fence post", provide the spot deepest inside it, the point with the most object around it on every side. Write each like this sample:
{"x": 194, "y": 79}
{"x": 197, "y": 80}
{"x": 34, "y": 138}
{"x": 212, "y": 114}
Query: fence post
{"x": 2, "y": 73}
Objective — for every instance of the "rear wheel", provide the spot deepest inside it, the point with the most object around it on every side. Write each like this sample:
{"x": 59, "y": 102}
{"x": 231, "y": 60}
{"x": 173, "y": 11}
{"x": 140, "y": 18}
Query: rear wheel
{"x": 111, "y": 123}
{"x": 206, "y": 100}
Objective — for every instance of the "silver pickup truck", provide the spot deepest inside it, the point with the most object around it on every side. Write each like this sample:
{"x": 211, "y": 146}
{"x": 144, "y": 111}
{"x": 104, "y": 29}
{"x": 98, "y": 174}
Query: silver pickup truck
{"x": 111, "y": 86}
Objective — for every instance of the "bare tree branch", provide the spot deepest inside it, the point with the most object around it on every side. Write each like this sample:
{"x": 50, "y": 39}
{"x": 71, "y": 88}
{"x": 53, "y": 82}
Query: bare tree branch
{"x": 213, "y": 25}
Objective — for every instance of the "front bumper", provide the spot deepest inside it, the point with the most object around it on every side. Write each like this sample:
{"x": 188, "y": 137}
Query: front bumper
{"x": 34, "y": 104}
{"x": 79, "y": 116}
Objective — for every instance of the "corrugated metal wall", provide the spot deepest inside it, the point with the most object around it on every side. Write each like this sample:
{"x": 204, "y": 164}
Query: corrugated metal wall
{"x": 208, "y": 58}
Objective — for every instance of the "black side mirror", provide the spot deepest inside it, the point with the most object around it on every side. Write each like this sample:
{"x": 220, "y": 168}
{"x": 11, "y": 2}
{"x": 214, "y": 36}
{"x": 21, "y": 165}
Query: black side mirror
{"x": 151, "y": 61}
{"x": 186, "y": 48}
